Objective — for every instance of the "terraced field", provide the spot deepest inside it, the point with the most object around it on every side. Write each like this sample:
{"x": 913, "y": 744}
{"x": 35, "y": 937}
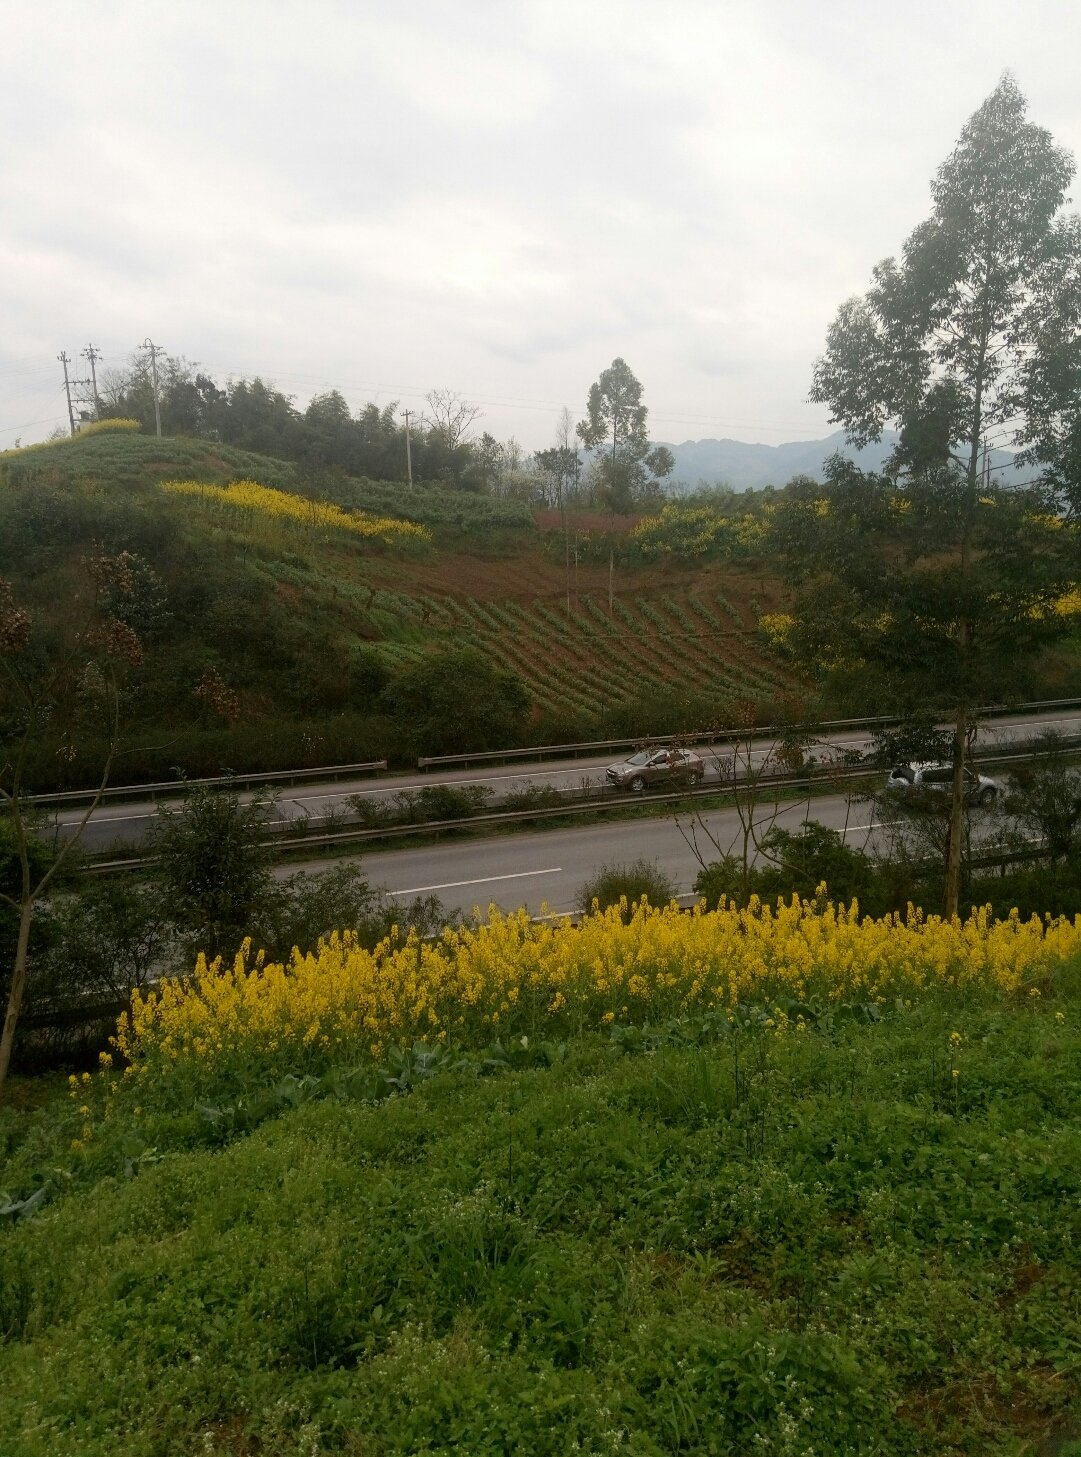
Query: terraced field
{"x": 586, "y": 660}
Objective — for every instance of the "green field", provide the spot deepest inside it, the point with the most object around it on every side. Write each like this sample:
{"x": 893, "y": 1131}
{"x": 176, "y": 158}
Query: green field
{"x": 653, "y": 1243}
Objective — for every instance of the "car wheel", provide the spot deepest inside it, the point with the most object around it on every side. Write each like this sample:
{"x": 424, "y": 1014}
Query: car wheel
{"x": 987, "y": 796}
{"x": 696, "y": 777}
{"x": 637, "y": 784}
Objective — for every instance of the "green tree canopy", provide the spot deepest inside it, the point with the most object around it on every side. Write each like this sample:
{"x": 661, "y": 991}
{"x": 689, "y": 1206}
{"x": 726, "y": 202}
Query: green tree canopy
{"x": 972, "y": 338}
{"x": 615, "y": 423}
{"x": 458, "y": 701}
{"x": 938, "y": 581}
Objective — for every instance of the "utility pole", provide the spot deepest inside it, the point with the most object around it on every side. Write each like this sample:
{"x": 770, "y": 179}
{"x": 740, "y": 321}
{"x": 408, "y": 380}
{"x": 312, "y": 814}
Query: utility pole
{"x": 93, "y": 355}
{"x": 408, "y": 453}
{"x": 69, "y": 383}
{"x": 63, "y": 358}
{"x": 153, "y": 348}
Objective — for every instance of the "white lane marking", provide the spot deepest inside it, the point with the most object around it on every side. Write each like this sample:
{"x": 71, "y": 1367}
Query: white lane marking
{"x": 484, "y": 880}
{"x": 855, "y": 829}
{"x": 103, "y": 820}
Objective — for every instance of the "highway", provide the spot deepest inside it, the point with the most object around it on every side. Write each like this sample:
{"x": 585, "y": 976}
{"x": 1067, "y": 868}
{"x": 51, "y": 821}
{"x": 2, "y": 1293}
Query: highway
{"x": 544, "y": 870}
{"x": 131, "y": 824}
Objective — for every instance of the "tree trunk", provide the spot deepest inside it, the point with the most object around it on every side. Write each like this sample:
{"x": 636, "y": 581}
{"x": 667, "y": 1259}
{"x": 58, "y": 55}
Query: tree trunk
{"x": 18, "y": 988}
{"x": 957, "y": 812}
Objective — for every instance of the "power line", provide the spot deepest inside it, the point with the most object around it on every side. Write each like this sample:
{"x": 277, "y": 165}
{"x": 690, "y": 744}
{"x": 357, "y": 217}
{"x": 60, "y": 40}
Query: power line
{"x": 10, "y": 429}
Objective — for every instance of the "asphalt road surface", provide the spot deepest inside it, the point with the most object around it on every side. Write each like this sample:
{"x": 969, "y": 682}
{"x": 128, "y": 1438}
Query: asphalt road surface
{"x": 544, "y": 870}
{"x": 131, "y": 823}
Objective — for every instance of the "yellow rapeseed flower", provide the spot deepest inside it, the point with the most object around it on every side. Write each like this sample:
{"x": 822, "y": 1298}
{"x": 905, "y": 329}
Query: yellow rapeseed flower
{"x": 250, "y": 496}
{"x": 527, "y": 979}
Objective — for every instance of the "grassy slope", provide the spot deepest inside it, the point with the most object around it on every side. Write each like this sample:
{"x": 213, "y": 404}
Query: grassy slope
{"x": 280, "y": 612}
{"x": 854, "y": 1253}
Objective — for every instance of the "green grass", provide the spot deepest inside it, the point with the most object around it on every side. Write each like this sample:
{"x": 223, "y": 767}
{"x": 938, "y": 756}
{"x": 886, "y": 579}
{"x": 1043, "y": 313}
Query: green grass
{"x": 665, "y": 1241}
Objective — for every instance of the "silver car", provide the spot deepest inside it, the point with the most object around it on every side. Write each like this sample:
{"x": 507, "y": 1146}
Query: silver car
{"x": 937, "y": 779}
{"x": 655, "y": 766}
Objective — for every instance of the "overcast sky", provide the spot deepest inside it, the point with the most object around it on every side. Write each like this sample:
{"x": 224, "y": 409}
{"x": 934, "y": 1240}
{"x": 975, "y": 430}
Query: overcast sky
{"x": 493, "y": 198}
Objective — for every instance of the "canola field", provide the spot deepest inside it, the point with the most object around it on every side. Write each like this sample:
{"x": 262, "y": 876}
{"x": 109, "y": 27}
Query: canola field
{"x": 252, "y": 499}
{"x": 514, "y": 978}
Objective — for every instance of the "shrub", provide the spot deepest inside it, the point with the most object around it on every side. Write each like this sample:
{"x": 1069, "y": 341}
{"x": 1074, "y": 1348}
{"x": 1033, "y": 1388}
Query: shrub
{"x": 800, "y": 861}
{"x": 306, "y": 908}
{"x": 113, "y": 934}
{"x": 725, "y": 877}
{"x": 368, "y": 676}
{"x": 614, "y": 882}
{"x": 214, "y": 866}
{"x": 533, "y": 796}
{"x": 458, "y": 701}
{"x": 447, "y": 802}
{"x": 795, "y": 863}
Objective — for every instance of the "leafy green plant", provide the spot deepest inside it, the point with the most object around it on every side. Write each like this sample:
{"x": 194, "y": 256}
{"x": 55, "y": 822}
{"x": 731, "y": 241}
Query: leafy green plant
{"x": 533, "y": 796}
{"x": 213, "y": 864}
{"x": 614, "y": 883}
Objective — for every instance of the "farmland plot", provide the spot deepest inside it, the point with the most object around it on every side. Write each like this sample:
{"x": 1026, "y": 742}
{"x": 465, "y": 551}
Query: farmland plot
{"x": 587, "y": 658}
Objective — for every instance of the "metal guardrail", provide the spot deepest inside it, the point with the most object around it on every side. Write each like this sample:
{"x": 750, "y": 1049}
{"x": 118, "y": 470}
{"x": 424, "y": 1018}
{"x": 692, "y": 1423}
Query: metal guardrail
{"x": 577, "y": 802}
{"x": 172, "y": 788}
{"x": 725, "y": 735}
{"x": 334, "y": 772}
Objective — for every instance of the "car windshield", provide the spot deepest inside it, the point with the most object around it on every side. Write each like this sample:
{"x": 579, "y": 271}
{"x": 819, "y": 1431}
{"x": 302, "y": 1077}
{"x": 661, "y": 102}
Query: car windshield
{"x": 640, "y": 758}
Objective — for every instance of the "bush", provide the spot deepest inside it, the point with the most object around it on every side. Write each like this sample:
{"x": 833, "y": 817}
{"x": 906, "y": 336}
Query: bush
{"x": 457, "y": 702}
{"x": 445, "y": 802}
{"x": 800, "y": 861}
{"x": 725, "y": 878}
{"x": 214, "y": 867}
{"x": 614, "y": 882}
{"x": 304, "y": 909}
{"x": 368, "y": 676}
{"x": 113, "y": 934}
{"x": 534, "y": 796}
{"x": 795, "y": 863}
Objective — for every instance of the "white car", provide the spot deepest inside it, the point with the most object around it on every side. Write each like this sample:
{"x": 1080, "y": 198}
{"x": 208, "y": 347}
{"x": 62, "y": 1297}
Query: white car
{"x": 938, "y": 779}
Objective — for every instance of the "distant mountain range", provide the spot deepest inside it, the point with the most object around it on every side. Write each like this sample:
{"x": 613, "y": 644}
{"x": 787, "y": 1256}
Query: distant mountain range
{"x": 745, "y": 467}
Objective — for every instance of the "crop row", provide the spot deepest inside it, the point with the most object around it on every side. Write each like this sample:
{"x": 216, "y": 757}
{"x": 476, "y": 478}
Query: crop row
{"x": 588, "y": 658}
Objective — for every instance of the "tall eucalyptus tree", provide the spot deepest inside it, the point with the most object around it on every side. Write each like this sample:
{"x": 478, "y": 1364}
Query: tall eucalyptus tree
{"x": 972, "y": 339}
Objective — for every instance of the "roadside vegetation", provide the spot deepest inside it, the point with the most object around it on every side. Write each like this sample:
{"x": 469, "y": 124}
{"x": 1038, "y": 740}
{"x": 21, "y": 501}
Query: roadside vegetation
{"x": 817, "y": 1196}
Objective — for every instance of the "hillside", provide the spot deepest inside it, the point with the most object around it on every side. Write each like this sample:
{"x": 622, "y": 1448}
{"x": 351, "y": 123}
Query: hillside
{"x": 301, "y": 627}
{"x": 745, "y": 466}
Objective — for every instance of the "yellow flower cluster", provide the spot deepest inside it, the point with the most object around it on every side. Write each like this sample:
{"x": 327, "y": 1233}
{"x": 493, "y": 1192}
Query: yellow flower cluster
{"x": 110, "y": 427}
{"x": 777, "y": 626}
{"x": 250, "y": 496}
{"x": 515, "y": 977}
{"x": 696, "y": 531}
